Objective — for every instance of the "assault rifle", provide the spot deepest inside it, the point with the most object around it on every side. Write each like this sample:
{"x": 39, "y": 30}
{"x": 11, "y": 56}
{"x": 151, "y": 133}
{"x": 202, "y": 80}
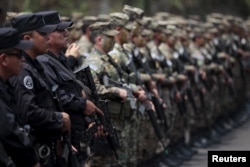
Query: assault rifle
{"x": 142, "y": 62}
{"x": 142, "y": 107}
{"x": 85, "y": 76}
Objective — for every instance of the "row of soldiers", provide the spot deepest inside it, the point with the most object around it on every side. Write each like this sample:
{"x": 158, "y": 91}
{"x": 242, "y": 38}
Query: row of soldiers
{"x": 189, "y": 70}
{"x": 122, "y": 90}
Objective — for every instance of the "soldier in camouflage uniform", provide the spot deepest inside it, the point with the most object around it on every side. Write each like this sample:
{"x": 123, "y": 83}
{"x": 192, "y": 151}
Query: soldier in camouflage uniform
{"x": 126, "y": 60}
{"x": 84, "y": 41}
{"x": 124, "y": 115}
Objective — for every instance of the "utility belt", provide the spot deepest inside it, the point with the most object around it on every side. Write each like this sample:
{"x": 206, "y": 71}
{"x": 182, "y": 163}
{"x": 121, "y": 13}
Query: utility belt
{"x": 123, "y": 109}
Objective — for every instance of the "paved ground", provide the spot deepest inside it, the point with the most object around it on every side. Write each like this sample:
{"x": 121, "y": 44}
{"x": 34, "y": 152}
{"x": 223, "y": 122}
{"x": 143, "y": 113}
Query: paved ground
{"x": 237, "y": 139}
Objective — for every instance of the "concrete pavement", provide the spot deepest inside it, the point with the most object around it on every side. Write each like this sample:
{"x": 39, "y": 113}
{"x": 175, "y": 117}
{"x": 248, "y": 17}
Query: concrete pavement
{"x": 238, "y": 139}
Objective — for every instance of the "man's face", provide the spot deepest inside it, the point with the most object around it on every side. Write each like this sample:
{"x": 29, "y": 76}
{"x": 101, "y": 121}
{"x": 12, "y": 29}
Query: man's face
{"x": 171, "y": 40}
{"x": 185, "y": 42}
{"x": 200, "y": 41}
{"x": 139, "y": 41}
{"x": 157, "y": 37}
{"x": 124, "y": 35}
{"x": 58, "y": 39}
{"x": 12, "y": 61}
{"x": 107, "y": 43}
{"x": 40, "y": 41}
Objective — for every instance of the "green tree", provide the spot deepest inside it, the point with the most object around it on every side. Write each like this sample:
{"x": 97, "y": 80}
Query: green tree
{"x": 3, "y": 5}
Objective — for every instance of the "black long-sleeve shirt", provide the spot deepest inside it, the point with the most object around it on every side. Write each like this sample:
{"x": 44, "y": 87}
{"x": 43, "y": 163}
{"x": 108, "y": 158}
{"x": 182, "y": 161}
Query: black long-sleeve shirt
{"x": 34, "y": 98}
{"x": 70, "y": 93}
{"x": 15, "y": 142}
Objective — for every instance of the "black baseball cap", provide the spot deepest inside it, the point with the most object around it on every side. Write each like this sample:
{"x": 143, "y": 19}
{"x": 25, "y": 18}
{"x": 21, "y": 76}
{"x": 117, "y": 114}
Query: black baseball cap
{"x": 9, "y": 38}
{"x": 31, "y": 22}
{"x": 53, "y": 17}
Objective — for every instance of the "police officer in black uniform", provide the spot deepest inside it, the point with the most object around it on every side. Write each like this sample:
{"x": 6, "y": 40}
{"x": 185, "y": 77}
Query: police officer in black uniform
{"x": 59, "y": 73}
{"x": 13, "y": 140}
{"x": 35, "y": 99}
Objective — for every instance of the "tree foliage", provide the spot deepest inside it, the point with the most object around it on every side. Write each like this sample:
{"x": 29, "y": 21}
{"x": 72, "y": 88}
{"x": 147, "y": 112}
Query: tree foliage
{"x": 95, "y": 7}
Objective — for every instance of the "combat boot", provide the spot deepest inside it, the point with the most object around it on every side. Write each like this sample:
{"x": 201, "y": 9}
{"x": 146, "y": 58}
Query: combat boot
{"x": 232, "y": 122}
{"x": 179, "y": 154}
{"x": 186, "y": 149}
{"x": 182, "y": 152}
{"x": 156, "y": 161}
{"x": 220, "y": 128}
{"x": 241, "y": 117}
{"x": 173, "y": 161}
{"x": 227, "y": 126}
{"x": 202, "y": 142}
{"x": 215, "y": 136}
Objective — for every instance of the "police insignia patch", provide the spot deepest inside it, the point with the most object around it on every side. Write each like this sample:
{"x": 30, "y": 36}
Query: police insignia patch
{"x": 28, "y": 82}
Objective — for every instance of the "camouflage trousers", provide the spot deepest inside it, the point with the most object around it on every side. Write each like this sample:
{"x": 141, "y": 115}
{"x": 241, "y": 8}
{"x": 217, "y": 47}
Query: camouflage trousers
{"x": 148, "y": 141}
{"x": 101, "y": 161}
{"x": 127, "y": 131}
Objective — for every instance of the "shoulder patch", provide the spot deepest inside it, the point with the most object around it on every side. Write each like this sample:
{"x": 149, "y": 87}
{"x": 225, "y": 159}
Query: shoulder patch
{"x": 28, "y": 82}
